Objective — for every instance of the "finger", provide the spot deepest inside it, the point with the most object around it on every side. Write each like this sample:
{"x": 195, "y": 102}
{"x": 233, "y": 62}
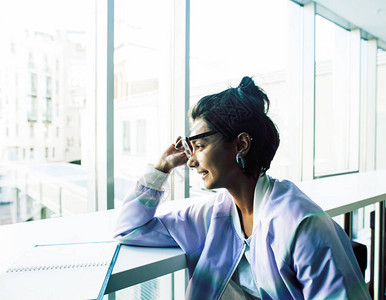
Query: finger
{"x": 178, "y": 143}
{"x": 180, "y": 158}
{"x": 171, "y": 150}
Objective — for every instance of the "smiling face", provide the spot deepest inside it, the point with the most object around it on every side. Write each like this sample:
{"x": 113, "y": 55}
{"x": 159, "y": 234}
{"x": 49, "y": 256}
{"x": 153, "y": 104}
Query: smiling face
{"x": 213, "y": 158}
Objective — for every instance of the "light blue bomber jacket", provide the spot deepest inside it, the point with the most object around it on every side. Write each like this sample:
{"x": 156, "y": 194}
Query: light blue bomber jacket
{"x": 297, "y": 250}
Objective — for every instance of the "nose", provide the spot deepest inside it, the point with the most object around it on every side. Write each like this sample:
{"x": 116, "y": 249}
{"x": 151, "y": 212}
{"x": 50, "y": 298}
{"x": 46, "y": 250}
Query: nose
{"x": 192, "y": 162}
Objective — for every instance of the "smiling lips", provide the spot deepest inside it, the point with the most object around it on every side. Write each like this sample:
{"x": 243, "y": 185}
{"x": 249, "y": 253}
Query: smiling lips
{"x": 203, "y": 173}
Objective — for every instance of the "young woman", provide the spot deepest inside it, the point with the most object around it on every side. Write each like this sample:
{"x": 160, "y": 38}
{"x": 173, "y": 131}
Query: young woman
{"x": 259, "y": 239}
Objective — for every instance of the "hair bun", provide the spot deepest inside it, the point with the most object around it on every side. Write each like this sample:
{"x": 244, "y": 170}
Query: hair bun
{"x": 245, "y": 82}
{"x": 247, "y": 85}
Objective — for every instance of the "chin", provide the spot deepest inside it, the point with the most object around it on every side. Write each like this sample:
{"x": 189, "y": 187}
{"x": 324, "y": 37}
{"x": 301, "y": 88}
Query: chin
{"x": 207, "y": 185}
{"x": 210, "y": 185}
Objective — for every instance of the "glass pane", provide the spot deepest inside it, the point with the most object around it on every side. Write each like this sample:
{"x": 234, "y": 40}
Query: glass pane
{"x": 381, "y": 110}
{"x": 43, "y": 69}
{"x": 142, "y": 99}
{"x": 336, "y": 116}
{"x": 142, "y": 124}
{"x": 248, "y": 38}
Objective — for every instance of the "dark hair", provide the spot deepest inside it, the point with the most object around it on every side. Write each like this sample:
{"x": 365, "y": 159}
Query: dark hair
{"x": 242, "y": 109}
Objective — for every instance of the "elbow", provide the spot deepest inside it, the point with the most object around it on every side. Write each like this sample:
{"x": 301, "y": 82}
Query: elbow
{"x": 121, "y": 232}
{"x": 123, "y": 237}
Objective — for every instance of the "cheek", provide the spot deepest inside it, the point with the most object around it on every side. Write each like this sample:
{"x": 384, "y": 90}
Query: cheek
{"x": 206, "y": 159}
{"x": 221, "y": 161}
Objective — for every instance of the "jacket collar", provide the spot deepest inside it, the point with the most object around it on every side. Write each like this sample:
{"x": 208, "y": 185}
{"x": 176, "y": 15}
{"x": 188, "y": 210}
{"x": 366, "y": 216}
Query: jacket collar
{"x": 262, "y": 188}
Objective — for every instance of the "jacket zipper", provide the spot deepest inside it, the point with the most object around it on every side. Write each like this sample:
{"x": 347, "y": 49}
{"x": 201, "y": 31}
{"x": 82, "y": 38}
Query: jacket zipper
{"x": 234, "y": 269}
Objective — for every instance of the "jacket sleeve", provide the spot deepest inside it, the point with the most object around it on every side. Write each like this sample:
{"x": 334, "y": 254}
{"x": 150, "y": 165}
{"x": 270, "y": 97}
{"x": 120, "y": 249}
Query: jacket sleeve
{"x": 324, "y": 261}
{"x": 137, "y": 223}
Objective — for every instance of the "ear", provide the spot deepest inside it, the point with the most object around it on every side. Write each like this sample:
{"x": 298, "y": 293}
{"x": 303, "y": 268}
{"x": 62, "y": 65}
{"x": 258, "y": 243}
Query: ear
{"x": 243, "y": 143}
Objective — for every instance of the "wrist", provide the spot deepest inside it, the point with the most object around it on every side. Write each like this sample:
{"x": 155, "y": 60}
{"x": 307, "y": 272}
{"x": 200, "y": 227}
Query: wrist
{"x": 153, "y": 178}
{"x": 163, "y": 167}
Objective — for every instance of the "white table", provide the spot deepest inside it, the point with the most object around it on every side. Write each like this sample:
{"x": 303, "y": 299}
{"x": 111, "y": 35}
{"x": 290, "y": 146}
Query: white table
{"x": 134, "y": 264}
{"x": 342, "y": 194}
{"x": 337, "y": 195}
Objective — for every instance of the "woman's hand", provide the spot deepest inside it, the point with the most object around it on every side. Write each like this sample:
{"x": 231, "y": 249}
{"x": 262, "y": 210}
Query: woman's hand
{"x": 171, "y": 158}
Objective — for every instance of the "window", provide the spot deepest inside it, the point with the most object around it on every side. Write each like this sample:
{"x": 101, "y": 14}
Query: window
{"x": 13, "y": 49}
{"x": 31, "y": 130}
{"x": 47, "y": 66}
{"x": 141, "y": 137}
{"x": 120, "y": 80}
{"x": 259, "y": 44}
{"x": 47, "y": 111}
{"x": 126, "y": 144}
{"x": 46, "y": 63}
{"x": 77, "y": 87}
{"x": 144, "y": 78}
{"x": 70, "y": 142}
{"x": 33, "y": 84}
{"x": 32, "y": 113}
{"x": 381, "y": 111}
{"x": 143, "y": 83}
{"x": 336, "y": 101}
{"x": 31, "y": 60}
{"x": 31, "y": 153}
{"x": 48, "y": 71}
{"x": 70, "y": 121}
{"x": 48, "y": 87}
{"x": 56, "y": 87}
{"x": 46, "y": 130}
{"x": 12, "y": 153}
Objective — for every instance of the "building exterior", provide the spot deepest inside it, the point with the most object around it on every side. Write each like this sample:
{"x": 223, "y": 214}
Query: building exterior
{"x": 42, "y": 92}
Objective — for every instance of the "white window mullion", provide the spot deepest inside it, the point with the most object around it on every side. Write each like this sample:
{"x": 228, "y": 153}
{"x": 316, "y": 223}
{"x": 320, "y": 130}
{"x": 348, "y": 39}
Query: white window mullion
{"x": 368, "y": 108}
{"x": 308, "y": 115}
{"x": 100, "y": 109}
{"x": 295, "y": 84}
{"x": 352, "y": 152}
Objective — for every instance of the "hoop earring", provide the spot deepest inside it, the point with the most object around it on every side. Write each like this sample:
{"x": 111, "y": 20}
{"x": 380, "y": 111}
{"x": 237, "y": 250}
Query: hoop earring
{"x": 240, "y": 161}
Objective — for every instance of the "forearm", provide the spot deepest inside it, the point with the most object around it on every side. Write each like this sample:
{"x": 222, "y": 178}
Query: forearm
{"x": 141, "y": 202}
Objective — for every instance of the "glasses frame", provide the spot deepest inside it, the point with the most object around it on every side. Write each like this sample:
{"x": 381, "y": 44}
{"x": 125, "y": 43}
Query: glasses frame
{"x": 185, "y": 141}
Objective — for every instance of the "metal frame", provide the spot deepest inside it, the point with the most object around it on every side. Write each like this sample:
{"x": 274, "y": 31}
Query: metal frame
{"x": 379, "y": 248}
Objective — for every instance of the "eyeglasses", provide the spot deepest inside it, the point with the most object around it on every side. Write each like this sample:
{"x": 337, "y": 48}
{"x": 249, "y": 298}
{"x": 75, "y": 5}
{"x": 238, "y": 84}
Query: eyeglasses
{"x": 187, "y": 145}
